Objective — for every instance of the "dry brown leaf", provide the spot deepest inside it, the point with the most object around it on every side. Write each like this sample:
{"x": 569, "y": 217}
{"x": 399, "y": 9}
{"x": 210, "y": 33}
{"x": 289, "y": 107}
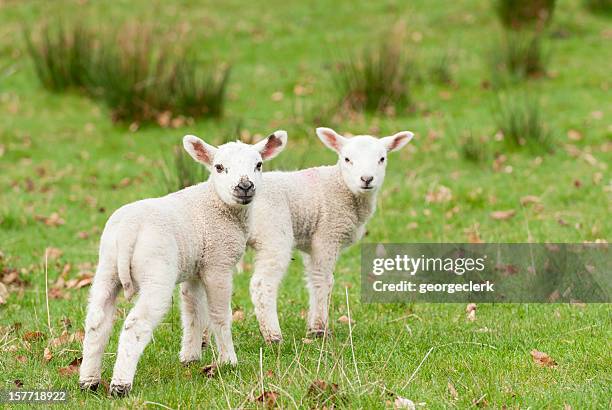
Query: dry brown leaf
{"x": 470, "y": 311}
{"x": 321, "y": 391}
{"x": 47, "y": 355}
{"x": 452, "y": 391}
{"x": 21, "y": 359}
{"x": 268, "y": 398}
{"x": 18, "y": 383}
{"x": 53, "y": 253}
{"x": 52, "y": 220}
{"x": 72, "y": 368}
{"x": 542, "y": 359}
{"x": 210, "y": 370}
{"x": 86, "y": 281}
{"x": 33, "y": 336}
{"x": 307, "y": 341}
{"x": 238, "y": 316}
{"x": 530, "y": 199}
{"x": 403, "y": 403}
{"x": 574, "y": 135}
{"x": 61, "y": 340}
{"x": 503, "y": 215}
{"x": 439, "y": 195}
{"x": 345, "y": 319}
{"x": 3, "y": 293}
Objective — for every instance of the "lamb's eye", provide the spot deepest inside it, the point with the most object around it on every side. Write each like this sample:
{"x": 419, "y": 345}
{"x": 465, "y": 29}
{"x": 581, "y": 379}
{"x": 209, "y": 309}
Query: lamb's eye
{"x": 219, "y": 168}
{"x": 381, "y": 160}
{"x": 258, "y": 166}
{"x": 347, "y": 160}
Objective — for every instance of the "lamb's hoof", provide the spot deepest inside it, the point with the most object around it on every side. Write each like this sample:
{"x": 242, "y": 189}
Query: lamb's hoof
{"x": 318, "y": 333}
{"x": 89, "y": 385}
{"x": 188, "y": 361}
{"x": 274, "y": 339}
{"x": 120, "y": 390}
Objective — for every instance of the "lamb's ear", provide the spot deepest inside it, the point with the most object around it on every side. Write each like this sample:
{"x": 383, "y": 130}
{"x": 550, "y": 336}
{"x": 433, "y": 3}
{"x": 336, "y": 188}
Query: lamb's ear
{"x": 273, "y": 145}
{"x": 199, "y": 150}
{"x": 331, "y": 138}
{"x": 397, "y": 141}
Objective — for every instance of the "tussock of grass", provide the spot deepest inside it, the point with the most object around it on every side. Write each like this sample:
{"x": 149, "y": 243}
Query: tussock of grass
{"x": 520, "y": 121}
{"x": 376, "y": 80}
{"x": 517, "y": 56}
{"x": 62, "y": 55}
{"x": 181, "y": 171}
{"x": 517, "y": 14}
{"x": 599, "y": 6}
{"x": 140, "y": 77}
{"x": 472, "y": 148}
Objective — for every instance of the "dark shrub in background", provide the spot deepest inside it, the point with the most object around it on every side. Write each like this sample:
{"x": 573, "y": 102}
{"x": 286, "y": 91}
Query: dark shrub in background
{"x": 518, "y": 14}
{"x": 519, "y": 119}
{"x": 62, "y": 55}
{"x": 138, "y": 75}
{"x": 517, "y": 56}
{"x": 377, "y": 79}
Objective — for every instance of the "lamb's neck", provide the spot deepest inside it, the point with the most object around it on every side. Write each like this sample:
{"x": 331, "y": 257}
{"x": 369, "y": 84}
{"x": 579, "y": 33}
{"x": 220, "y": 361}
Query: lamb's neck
{"x": 239, "y": 215}
{"x": 363, "y": 204}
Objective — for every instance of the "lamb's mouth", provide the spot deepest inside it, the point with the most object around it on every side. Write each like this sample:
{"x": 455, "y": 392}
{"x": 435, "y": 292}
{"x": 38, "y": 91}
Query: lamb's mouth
{"x": 367, "y": 188}
{"x": 244, "y": 199}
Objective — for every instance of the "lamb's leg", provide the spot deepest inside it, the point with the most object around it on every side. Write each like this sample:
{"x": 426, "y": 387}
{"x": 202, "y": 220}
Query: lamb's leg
{"x": 194, "y": 316}
{"x": 270, "y": 266}
{"x": 319, "y": 266}
{"x": 218, "y": 287}
{"x": 153, "y": 302}
{"x": 98, "y": 324}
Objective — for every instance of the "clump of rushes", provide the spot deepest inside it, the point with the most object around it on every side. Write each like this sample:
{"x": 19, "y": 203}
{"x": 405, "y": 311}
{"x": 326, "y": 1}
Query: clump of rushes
{"x": 377, "y": 79}
{"x": 518, "y": 14}
{"x": 440, "y": 69}
{"x": 472, "y": 148}
{"x": 516, "y": 57}
{"x": 139, "y": 76}
{"x": 519, "y": 119}
{"x": 180, "y": 171}
{"x": 62, "y": 55}
{"x": 599, "y": 6}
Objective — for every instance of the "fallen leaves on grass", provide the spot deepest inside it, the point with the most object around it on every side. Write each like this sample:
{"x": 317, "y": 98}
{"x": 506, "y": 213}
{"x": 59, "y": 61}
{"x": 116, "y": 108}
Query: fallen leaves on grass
{"x": 503, "y": 215}
{"x": 210, "y": 370}
{"x": 268, "y": 398}
{"x": 322, "y": 392}
{"x": 53, "y": 220}
{"x": 21, "y": 359}
{"x": 3, "y": 293}
{"x": 72, "y": 368}
{"x": 530, "y": 199}
{"x": 238, "y": 316}
{"x": 33, "y": 336}
{"x": 403, "y": 403}
{"x": 53, "y": 253}
{"x": 47, "y": 355}
{"x": 345, "y": 320}
{"x": 542, "y": 359}
{"x": 18, "y": 383}
{"x": 470, "y": 311}
{"x": 440, "y": 195}
{"x": 452, "y": 391}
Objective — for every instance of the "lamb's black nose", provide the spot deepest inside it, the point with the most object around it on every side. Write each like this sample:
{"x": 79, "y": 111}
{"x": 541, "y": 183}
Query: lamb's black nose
{"x": 367, "y": 179}
{"x": 245, "y": 185}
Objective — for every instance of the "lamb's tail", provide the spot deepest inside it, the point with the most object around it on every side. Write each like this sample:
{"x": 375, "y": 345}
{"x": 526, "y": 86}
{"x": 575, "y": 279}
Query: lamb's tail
{"x": 126, "y": 241}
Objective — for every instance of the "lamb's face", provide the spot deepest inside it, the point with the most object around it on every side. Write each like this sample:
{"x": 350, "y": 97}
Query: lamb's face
{"x": 363, "y": 159}
{"x": 235, "y": 168}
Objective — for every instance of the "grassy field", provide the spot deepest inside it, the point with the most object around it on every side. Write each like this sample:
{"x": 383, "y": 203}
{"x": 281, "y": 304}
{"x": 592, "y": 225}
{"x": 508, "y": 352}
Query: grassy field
{"x": 64, "y": 168}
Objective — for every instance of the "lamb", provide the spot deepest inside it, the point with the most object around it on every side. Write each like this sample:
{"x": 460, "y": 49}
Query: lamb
{"x": 319, "y": 211}
{"x": 194, "y": 237}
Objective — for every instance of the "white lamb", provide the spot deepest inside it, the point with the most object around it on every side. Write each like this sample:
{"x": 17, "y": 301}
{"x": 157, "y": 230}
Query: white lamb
{"x": 194, "y": 237}
{"x": 319, "y": 211}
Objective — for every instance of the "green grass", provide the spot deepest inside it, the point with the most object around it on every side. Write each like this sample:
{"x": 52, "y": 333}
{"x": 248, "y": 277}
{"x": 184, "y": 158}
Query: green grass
{"x": 61, "y": 153}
